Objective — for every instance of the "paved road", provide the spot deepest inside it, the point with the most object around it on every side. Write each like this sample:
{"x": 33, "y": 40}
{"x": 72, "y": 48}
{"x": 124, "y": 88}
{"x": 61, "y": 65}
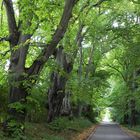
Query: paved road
{"x": 110, "y": 131}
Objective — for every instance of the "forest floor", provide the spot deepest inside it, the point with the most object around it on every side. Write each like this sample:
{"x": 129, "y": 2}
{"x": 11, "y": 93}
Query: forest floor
{"x": 61, "y": 129}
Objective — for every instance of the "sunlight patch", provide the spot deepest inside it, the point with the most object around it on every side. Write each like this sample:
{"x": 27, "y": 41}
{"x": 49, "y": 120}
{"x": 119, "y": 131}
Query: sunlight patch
{"x": 107, "y": 116}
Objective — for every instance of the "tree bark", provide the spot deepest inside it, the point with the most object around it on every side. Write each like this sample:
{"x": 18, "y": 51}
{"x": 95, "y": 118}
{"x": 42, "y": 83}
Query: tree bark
{"x": 59, "y": 81}
{"x": 17, "y": 95}
{"x": 56, "y": 92}
{"x": 18, "y": 89}
{"x": 66, "y": 105}
{"x": 55, "y": 96}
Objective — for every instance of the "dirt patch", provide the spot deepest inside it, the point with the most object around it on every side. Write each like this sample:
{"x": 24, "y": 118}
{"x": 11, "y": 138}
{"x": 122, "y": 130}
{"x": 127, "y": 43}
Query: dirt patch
{"x": 85, "y": 134}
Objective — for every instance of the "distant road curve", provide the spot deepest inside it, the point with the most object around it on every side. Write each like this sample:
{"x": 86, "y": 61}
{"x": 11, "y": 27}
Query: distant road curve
{"x": 110, "y": 131}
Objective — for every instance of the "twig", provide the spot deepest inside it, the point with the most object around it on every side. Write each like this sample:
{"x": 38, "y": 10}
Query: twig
{"x": 108, "y": 65}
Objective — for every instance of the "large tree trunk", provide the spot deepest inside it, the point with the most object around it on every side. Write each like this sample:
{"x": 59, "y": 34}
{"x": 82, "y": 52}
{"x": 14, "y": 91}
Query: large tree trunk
{"x": 18, "y": 50}
{"x": 17, "y": 96}
{"x": 18, "y": 89}
{"x": 56, "y": 92}
{"x": 66, "y": 105}
{"x": 55, "y": 96}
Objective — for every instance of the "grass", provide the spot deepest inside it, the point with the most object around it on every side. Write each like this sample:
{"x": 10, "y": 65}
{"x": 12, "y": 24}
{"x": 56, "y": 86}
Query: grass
{"x": 59, "y": 129}
{"x": 135, "y": 131}
{"x": 64, "y": 124}
{"x": 135, "y": 128}
{"x": 39, "y": 131}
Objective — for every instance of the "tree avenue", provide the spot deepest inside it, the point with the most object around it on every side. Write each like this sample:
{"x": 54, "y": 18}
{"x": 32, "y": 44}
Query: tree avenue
{"x": 67, "y": 60}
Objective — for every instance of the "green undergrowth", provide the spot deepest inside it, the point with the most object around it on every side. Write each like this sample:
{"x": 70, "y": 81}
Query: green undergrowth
{"x": 59, "y": 129}
{"x": 135, "y": 128}
{"x": 64, "y": 124}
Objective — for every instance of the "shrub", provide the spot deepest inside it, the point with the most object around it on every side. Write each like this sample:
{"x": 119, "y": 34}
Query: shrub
{"x": 63, "y": 123}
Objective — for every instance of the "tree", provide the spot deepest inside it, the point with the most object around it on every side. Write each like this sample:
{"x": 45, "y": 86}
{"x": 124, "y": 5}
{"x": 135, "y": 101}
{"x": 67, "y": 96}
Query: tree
{"x": 20, "y": 34}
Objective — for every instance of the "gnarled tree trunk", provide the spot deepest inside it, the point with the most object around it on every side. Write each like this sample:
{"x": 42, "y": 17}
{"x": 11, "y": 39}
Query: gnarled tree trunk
{"x": 56, "y": 92}
{"x": 55, "y": 96}
{"x": 57, "y": 89}
{"x": 17, "y": 96}
{"x": 66, "y": 105}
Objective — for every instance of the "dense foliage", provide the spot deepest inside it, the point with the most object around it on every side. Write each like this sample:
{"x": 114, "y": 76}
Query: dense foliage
{"x": 69, "y": 58}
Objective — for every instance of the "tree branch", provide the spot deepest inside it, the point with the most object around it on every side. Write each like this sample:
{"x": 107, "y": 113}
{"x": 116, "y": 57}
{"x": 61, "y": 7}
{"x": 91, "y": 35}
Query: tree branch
{"x": 96, "y": 5}
{"x": 89, "y": 62}
{"x": 58, "y": 35}
{"x": 13, "y": 30}
{"x": 117, "y": 71}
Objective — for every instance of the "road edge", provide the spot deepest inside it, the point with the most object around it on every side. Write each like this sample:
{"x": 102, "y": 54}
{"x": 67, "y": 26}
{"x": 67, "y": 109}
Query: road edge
{"x": 130, "y": 132}
{"x": 85, "y": 134}
{"x": 92, "y": 132}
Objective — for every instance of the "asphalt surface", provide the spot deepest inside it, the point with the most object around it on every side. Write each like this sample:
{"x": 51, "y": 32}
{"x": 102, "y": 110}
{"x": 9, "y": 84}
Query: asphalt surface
{"x": 109, "y": 131}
